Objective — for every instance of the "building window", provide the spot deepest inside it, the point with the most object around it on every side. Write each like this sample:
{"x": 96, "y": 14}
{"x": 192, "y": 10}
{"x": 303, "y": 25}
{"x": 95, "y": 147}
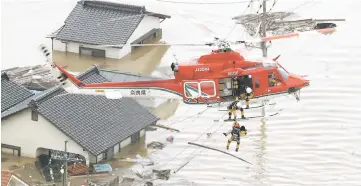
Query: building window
{"x": 34, "y": 115}
{"x": 135, "y": 137}
{"x": 91, "y": 52}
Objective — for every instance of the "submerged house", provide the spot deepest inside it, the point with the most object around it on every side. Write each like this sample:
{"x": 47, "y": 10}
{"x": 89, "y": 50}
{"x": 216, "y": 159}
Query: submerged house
{"x": 94, "y": 127}
{"x": 93, "y": 23}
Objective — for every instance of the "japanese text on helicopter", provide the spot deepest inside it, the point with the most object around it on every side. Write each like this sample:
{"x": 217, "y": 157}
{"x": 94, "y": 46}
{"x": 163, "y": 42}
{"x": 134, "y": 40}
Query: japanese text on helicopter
{"x": 138, "y": 92}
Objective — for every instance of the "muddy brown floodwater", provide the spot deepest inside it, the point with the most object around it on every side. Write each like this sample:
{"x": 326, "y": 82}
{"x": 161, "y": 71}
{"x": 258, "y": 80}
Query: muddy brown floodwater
{"x": 143, "y": 61}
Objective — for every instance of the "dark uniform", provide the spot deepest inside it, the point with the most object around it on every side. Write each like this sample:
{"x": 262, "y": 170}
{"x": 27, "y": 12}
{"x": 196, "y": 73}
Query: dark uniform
{"x": 232, "y": 109}
{"x": 236, "y": 133}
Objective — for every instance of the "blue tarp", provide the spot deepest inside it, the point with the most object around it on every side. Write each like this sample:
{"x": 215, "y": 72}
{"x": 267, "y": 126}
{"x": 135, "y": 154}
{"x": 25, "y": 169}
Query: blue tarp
{"x": 102, "y": 168}
{"x": 36, "y": 91}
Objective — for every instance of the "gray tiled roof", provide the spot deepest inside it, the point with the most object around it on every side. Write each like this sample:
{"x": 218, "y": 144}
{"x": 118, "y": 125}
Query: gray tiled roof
{"x": 101, "y": 22}
{"x": 95, "y": 122}
{"x": 12, "y": 93}
{"x": 92, "y": 75}
{"x": 41, "y": 97}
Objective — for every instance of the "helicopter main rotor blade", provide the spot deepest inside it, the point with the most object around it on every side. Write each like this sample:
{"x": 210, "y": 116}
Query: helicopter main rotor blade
{"x": 159, "y": 44}
{"x": 198, "y": 23}
{"x": 284, "y": 36}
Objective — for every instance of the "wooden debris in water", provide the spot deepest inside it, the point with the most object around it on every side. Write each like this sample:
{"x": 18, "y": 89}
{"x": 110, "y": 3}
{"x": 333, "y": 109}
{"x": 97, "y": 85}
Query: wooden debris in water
{"x": 162, "y": 174}
{"x": 191, "y": 143}
{"x": 25, "y": 76}
{"x": 165, "y": 127}
{"x": 155, "y": 145}
{"x": 151, "y": 129}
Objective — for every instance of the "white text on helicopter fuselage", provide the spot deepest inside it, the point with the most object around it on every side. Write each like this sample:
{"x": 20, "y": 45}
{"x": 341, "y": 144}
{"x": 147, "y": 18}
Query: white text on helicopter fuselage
{"x": 203, "y": 69}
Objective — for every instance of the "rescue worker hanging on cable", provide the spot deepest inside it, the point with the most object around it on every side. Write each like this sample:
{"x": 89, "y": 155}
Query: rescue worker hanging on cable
{"x": 232, "y": 109}
{"x": 236, "y": 133}
{"x": 249, "y": 95}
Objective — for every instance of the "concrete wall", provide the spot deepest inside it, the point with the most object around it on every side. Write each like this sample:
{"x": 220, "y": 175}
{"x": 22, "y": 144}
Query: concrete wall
{"x": 148, "y": 23}
{"x": 20, "y": 130}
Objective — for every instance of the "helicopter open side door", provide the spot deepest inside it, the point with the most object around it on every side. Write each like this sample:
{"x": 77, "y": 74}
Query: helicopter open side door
{"x": 202, "y": 91}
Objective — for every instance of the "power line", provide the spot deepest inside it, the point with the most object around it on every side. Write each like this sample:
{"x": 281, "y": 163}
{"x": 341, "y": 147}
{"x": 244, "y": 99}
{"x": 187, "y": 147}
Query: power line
{"x": 209, "y": 3}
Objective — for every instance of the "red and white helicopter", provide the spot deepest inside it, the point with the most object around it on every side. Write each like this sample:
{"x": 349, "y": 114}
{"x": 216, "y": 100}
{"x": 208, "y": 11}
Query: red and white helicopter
{"x": 211, "y": 80}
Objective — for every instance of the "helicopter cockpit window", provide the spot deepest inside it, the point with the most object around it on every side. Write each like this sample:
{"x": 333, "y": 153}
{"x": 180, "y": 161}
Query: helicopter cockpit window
{"x": 272, "y": 80}
{"x": 283, "y": 73}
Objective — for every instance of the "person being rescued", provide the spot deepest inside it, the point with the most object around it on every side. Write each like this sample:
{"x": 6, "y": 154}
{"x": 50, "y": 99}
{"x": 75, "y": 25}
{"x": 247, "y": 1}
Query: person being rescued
{"x": 249, "y": 95}
{"x": 232, "y": 109}
{"x": 236, "y": 133}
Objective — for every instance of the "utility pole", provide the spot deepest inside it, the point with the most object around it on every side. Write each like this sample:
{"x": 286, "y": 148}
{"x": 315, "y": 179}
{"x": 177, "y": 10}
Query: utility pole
{"x": 263, "y": 30}
{"x": 65, "y": 175}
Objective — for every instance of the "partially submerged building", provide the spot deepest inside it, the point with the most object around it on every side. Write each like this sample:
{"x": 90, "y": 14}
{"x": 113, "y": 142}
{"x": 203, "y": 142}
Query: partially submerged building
{"x": 94, "y": 127}
{"x": 93, "y": 23}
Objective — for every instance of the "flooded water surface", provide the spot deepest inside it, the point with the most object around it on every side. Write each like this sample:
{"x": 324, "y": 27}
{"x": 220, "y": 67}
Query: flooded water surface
{"x": 312, "y": 142}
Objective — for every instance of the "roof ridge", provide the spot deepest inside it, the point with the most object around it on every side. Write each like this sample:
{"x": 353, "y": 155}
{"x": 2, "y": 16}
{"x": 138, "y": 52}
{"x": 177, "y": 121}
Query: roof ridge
{"x": 114, "y": 6}
{"x": 46, "y": 94}
{"x": 5, "y": 76}
{"x": 91, "y": 69}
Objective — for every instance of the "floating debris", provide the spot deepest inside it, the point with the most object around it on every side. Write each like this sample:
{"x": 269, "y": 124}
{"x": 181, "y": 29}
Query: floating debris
{"x": 32, "y": 77}
{"x": 170, "y": 139}
{"x": 150, "y": 129}
{"x": 156, "y": 145}
{"x": 162, "y": 174}
{"x": 168, "y": 128}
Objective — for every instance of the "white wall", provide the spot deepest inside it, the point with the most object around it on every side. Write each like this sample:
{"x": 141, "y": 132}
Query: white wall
{"x": 20, "y": 130}
{"x": 125, "y": 142}
{"x": 148, "y": 23}
{"x": 142, "y": 133}
{"x": 74, "y": 48}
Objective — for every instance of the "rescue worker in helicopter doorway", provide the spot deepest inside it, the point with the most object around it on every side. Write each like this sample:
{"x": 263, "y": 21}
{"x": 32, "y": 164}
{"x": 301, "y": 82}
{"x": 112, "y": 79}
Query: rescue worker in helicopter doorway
{"x": 236, "y": 133}
{"x": 232, "y": 110}
{"x": 246, "y": 92}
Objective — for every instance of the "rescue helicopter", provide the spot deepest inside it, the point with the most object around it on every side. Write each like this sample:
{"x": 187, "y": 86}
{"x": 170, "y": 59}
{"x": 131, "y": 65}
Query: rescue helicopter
{"x": 211, "y": 80}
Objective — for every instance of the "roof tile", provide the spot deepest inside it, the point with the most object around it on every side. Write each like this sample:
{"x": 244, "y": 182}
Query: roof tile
{"x": 95, "y": 122}
{"x": 100, "y": 22}
{"x": 5, "y": 177}
{"x": 12, "y": 93}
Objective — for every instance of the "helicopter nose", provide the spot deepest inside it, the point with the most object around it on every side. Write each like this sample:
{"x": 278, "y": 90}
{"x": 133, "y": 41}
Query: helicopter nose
{"x": 298, "y": 81}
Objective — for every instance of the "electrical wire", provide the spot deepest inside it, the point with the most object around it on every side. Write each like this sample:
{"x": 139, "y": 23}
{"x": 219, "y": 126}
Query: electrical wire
{"x": 234, "y": 25}
{"x": 184, "y": 149}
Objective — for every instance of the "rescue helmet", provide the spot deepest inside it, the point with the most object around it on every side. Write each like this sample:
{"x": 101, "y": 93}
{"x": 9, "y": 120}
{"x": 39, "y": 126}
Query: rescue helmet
{"x": 239, "y": 104}
{"x": 248, "y": 90}
{"x": 243, "y": 128}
